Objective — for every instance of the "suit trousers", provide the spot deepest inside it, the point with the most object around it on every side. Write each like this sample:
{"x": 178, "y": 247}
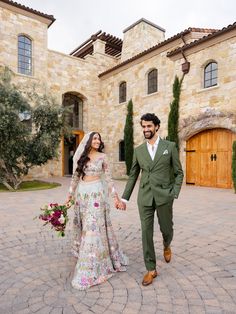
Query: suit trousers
{"x": 165, "y": 220}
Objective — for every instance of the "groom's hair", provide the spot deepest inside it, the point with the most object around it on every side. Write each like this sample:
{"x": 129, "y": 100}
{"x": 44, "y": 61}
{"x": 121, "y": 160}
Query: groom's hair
{"x": 150, "y": 117}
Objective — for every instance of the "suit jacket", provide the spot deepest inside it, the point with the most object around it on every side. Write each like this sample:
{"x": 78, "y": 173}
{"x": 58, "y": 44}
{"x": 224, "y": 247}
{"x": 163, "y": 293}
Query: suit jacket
{"x": 161, "y": 178}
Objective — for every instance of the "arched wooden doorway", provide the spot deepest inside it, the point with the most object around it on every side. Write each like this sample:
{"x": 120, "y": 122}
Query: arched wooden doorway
{"x": 209, "y": 158}
{"x": 74, "y": 103}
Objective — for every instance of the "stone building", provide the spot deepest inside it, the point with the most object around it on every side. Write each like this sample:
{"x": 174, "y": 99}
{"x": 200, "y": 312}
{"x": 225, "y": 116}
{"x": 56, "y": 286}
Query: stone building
{"x": 100, "y": 76}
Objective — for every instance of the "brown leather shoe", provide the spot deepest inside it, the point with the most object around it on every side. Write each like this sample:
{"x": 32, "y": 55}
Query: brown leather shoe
{"x": 148, "y": 277}
{"x": 167, "y": 254}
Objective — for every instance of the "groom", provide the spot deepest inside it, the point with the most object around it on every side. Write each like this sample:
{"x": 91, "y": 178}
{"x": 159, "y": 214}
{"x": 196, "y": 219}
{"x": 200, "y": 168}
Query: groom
{"x": 160, "y": 184}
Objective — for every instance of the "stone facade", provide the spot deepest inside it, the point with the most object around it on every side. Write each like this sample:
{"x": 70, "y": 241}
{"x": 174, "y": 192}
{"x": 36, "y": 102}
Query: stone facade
{"x": 140, "y": 36}
{"x": 96, "y": 79}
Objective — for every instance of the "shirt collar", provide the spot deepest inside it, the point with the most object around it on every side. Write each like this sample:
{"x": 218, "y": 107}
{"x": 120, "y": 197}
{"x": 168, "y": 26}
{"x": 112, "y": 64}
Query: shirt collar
{"x": 156, "y": 143}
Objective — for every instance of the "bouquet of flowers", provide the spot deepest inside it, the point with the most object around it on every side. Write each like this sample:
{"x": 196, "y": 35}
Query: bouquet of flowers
{"x": 56, "y": 215}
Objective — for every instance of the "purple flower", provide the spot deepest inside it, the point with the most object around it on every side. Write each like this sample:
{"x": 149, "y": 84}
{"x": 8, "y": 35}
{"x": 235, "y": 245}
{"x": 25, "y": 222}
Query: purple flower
{"x": 96, "y": 204}
{"x": 55, "y": 222}
{"x": 57, "y": 213}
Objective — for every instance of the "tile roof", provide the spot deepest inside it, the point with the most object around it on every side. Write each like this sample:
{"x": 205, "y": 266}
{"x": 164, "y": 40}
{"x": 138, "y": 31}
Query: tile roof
{"x": 203, "y": 39}
{"x": 161, "y": 44}
{"x": 23, "y": 7}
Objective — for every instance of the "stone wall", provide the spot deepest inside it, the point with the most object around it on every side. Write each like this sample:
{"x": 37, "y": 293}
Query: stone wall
{"x": 139, "y": 37}
{"x": 54, "y": 73}
{"x": 14, "y": 24}
{"x": 57, "y": 73}
{"x": 200, "y": 108}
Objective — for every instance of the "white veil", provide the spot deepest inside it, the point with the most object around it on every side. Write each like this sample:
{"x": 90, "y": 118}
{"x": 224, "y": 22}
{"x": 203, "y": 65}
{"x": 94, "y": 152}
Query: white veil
{"x": 80, "y": 150}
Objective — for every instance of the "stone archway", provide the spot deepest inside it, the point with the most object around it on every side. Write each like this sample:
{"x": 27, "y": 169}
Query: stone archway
{"x": 209, "y": 158}
{"x": 208, "y": 139}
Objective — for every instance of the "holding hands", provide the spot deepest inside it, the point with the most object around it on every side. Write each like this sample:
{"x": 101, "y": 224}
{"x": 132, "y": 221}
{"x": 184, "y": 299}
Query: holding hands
{"x": 119, "y": 204}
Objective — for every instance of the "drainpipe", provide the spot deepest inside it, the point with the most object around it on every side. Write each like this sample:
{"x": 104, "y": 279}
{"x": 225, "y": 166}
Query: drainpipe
{"x": 186, "y": 64}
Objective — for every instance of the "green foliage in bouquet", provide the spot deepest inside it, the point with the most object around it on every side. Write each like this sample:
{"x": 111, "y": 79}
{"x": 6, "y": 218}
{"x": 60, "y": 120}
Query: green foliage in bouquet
{"x": 56, "y": 215}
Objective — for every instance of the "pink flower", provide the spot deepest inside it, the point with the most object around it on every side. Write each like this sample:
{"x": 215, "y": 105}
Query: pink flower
{"x": 61, "y": 219}
{"x": 56, "y": 215}
{"x": 84, "y": 281}
{"x": 96, "y": 204}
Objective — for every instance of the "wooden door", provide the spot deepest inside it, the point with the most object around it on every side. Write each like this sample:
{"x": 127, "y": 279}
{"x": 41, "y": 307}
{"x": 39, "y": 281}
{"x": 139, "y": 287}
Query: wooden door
{"x": 65, "y": 153}
{"x": 209, "y": 158}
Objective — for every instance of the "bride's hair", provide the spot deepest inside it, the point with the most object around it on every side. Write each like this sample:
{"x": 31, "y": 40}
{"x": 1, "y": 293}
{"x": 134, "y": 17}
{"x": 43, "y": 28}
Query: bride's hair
{"x": 84, "y": 158}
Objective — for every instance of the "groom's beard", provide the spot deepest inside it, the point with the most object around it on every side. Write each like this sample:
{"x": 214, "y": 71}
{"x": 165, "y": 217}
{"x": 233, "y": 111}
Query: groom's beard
{"x": 149, "y": 134}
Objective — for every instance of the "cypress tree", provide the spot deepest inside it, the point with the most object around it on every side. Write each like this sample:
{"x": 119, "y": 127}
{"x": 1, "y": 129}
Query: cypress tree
{"x": 234, "y": 166}
{"x": 173, "y": 118}
{"x": 128, "y": 137}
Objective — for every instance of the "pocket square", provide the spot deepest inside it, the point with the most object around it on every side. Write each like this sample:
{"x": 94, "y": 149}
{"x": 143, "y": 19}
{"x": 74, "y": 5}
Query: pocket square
{"x": 165, "y": 152}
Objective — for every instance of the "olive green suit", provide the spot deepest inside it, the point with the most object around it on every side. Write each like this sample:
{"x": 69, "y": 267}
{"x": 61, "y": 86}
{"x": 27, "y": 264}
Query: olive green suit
{"x": 160, "y": 183}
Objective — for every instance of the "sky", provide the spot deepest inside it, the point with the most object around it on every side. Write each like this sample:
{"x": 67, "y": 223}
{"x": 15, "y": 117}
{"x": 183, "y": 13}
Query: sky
{"x": 77, "y": 20}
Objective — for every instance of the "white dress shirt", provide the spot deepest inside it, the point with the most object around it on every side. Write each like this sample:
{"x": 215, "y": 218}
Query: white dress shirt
{"x": 152, "y": 149}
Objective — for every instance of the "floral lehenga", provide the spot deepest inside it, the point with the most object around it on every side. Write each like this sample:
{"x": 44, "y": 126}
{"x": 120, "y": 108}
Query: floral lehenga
{"x": 94, "y": 243}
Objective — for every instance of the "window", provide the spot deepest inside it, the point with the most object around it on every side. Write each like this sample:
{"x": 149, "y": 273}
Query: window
{"x": 122, "y": 150}
{"x": 24, "y": 55}
{"x": 122, "y": 92}
{"x": 210, "y": 74}
{"x": 26, "y": 119}
{"x": 74, "y": 114}
{"x": 152, "y": 81}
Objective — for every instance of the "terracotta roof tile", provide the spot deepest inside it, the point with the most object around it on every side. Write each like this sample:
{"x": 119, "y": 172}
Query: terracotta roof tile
{"x": 186, "y": 31}
{"x": 203, "y": 39}
{"x": 23, "y": 7}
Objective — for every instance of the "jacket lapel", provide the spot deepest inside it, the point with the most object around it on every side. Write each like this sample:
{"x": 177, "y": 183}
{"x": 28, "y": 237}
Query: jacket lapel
{"x": 146, "y": 154}
{"x": 160, "y": 149}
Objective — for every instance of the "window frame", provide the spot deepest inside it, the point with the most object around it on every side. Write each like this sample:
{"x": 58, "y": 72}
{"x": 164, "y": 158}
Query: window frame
{"x": 74, "y": 116}
{"x": 212, "y": 80}
{"x": 122, "y": 92}
{"x": 152, "y": 81}
{"x": 121, "y": 151}
{"x": 24, "y": 55}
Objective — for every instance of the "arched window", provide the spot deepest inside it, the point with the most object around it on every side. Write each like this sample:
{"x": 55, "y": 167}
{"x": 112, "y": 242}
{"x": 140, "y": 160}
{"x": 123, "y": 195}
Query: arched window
{"x": 122, "y": 92}
{"x": 24, "y": 55}
{"x": 152, "y": 81}
{"x": 74, "y": 115}
{"x": 210, "y": 74}
{"x": 122, "y": 150}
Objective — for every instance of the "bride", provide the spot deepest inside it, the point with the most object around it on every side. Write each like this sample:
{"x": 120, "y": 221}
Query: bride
{"x": 94, "y": 244}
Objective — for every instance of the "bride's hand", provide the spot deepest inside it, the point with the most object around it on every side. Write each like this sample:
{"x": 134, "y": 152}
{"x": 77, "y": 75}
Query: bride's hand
{"x": 69, "y": 198}
{"x": 116, "y": 201}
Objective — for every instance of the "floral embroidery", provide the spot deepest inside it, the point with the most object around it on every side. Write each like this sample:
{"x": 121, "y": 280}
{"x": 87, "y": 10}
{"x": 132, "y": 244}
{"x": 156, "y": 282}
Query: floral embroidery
{"x": 95, "y": 243}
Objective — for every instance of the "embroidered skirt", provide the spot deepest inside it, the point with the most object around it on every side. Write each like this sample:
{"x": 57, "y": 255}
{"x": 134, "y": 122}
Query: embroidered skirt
{"x": 95, "y": 244}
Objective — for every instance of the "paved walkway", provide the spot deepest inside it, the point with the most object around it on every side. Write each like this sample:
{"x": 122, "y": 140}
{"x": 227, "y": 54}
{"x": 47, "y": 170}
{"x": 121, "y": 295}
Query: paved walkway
{"x": 36, "y": 266}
